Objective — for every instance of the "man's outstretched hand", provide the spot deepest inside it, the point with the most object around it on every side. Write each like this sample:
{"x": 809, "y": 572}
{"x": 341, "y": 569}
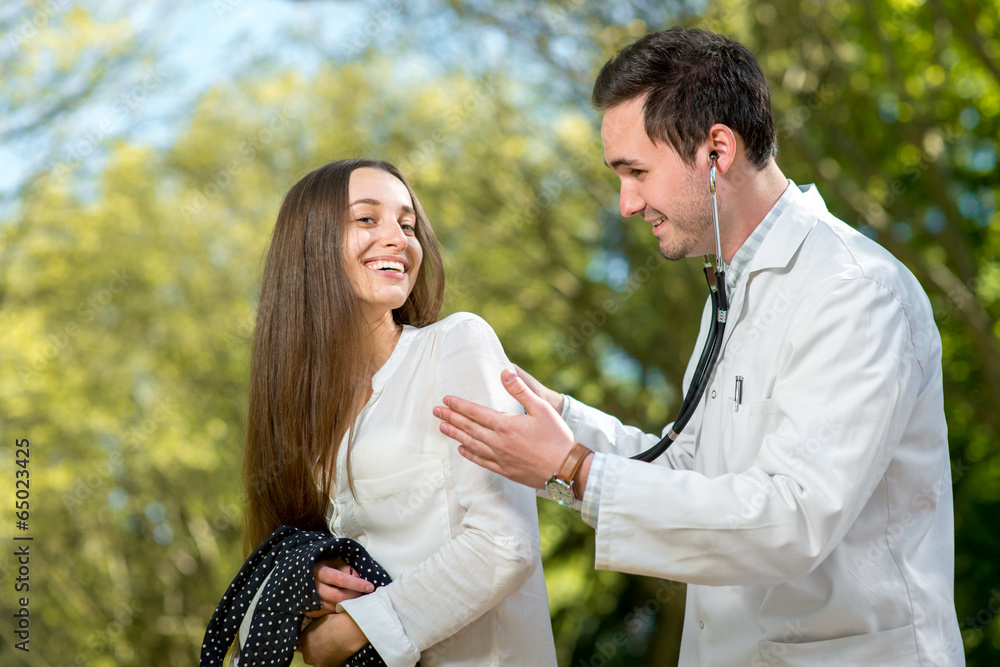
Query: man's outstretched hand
{"x": 526, "y": 448}
{"x": 553, "y": 398}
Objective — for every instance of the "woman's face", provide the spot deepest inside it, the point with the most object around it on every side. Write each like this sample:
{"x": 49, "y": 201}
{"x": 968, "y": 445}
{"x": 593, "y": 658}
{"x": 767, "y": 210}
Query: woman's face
{"x": 381, "y": 250}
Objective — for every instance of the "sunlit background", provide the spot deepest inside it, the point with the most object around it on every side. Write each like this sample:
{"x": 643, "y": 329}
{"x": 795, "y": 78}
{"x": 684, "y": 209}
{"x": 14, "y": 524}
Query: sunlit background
{"x": 144, "y": 150}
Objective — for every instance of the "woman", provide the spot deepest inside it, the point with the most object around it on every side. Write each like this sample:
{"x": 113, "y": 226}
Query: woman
{"x": 348, "y": 363}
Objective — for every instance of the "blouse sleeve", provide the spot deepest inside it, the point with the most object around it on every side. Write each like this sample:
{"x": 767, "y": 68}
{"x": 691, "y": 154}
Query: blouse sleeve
{"x": 496, "y": 550}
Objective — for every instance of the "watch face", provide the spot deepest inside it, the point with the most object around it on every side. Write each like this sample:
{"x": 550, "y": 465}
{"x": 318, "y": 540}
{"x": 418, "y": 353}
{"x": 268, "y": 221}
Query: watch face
{"x": 560, "y": 491}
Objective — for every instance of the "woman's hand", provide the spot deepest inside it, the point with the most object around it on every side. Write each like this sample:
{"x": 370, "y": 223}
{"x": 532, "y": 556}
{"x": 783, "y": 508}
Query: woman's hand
{"x": 336, "y": 581}
{"x": 331, "y": 640}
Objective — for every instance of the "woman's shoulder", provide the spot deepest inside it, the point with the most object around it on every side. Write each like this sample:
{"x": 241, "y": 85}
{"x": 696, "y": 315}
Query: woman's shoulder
{"x": 461, "y": 322}
{"x": 459, "y": 335}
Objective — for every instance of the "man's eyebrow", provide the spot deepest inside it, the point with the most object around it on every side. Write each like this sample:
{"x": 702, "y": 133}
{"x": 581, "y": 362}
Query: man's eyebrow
{"x": 620, "y": 162}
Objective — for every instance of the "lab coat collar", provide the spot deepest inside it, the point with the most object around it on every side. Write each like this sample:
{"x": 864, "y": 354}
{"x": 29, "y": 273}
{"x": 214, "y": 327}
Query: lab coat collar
{"x": 779, "y": 246}
{"x": 789, "y": 230}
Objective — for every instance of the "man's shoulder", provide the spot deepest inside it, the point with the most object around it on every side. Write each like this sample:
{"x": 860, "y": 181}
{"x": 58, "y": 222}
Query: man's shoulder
{"x": 836, "y": 260}
{"x": 842, "y": 252}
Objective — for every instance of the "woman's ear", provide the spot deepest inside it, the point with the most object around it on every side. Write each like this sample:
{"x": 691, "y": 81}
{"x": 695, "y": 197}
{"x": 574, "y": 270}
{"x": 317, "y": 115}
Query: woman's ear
{"x": 722, "y": 142}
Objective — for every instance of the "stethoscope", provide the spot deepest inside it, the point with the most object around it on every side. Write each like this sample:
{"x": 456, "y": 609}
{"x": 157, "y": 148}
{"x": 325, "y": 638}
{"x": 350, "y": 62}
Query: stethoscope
{"x": 713, "y": 343}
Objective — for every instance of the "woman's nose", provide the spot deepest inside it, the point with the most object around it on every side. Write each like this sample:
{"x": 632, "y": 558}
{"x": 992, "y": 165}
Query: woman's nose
{"x": 393, "y": 236}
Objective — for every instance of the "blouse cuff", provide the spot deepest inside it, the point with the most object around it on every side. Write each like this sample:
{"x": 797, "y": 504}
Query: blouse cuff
{"x": 374, "y": 615}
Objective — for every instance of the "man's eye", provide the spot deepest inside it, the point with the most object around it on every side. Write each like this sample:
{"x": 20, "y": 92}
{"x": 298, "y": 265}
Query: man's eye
{"x": 636, "y": 173}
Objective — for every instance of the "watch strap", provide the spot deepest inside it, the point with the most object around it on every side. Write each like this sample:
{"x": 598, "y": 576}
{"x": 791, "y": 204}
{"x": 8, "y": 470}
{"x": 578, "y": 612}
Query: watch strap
{"x": 567, "y": 471}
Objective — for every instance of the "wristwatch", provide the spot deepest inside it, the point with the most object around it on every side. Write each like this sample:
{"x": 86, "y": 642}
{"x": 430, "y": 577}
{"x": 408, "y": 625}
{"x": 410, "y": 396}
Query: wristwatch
{"x": 560, "y": 486}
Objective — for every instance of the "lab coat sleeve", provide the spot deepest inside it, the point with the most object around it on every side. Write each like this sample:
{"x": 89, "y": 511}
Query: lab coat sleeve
{"x": 606, "y": 434}
{"x": 846, "y": 383}
{"x": 497, "y": 548}
{"x": 603, "y": 433}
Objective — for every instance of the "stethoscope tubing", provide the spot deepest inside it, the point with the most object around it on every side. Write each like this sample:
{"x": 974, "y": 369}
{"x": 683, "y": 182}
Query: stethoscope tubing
{"x": 713, "y": 342}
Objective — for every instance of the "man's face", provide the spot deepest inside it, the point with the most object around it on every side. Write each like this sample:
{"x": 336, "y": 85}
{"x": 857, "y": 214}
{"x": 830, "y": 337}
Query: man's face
{"x": 657, "y": 184}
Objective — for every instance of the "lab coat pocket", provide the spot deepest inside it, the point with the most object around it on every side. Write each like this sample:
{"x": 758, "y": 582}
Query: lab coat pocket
{"x": 889, "y": 648}
{"x": 748, "y": 426}
{"x": 404, "y": 514}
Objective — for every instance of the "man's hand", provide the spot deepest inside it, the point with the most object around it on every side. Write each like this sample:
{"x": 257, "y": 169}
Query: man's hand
{"x": 553, "y": 398}
{"x": 331, "y": 640}
{"x": 526, "y": 448}
{"x": 336, "y": 581}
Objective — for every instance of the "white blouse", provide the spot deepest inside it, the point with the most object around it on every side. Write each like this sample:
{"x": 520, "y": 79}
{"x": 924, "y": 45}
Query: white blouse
{"x": 460, "y": 543}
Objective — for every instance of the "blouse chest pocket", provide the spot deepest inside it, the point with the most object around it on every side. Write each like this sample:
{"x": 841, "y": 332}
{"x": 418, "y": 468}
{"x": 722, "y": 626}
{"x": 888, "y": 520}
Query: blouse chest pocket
{"x": 404, "y": 516}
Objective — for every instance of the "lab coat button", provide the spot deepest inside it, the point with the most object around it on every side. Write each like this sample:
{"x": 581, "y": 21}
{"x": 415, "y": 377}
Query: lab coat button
{"x": 701, "y": 624}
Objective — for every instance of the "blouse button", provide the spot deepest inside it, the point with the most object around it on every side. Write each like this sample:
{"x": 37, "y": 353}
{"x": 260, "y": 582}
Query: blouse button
{"x": 701, "y": 624}
{"x": 713, "y": 393}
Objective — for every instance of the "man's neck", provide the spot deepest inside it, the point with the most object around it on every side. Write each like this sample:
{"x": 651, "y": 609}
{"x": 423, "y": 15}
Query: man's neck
{"x": 751, "y": 195}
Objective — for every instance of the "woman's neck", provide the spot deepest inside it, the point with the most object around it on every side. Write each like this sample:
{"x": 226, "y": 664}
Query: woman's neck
{"x": 384, "y": 335}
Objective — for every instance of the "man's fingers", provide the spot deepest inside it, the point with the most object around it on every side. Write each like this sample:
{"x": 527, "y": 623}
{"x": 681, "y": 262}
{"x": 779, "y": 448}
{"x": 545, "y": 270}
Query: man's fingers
{"x": 475, "y": 430}
{"x": 479, "y": 449}
{"x": 528, "y": 379}
{"x": 482, "y": 415}
{"x": 480, "y": 461}
{"x": 553, "y": 398}
{"x": 517, "y": 388}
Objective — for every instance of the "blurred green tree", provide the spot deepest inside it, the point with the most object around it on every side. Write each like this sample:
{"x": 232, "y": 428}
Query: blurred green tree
{"x": 74, "y": 78}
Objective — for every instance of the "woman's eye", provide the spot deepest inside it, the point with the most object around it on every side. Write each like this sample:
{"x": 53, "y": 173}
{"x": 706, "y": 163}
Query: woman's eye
{"x": 408, "y": 227}
{"x": 366, "y": 219}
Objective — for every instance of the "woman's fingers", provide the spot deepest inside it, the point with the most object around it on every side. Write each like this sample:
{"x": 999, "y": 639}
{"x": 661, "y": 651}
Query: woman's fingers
{"x": 336, "y": 581}
{"x": 341, "y": 576}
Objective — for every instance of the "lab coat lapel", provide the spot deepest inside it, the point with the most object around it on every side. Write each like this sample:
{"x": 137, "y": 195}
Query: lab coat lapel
{"x": 777, "y": 248}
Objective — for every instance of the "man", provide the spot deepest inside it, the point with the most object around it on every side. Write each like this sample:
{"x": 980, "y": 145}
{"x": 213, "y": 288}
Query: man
{"x": 808, "y": 501}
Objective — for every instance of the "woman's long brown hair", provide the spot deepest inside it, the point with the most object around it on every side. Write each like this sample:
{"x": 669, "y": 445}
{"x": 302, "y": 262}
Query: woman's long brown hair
{"x": 311, "y": 351}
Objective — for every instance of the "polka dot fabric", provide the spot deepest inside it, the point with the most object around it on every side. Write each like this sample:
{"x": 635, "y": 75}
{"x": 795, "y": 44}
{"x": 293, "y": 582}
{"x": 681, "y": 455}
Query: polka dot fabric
{"x": 290, "y": 592}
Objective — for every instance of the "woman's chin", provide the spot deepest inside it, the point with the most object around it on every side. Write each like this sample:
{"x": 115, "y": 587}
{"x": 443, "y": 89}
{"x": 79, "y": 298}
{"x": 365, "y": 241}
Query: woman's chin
{"x": 383, "y": 308}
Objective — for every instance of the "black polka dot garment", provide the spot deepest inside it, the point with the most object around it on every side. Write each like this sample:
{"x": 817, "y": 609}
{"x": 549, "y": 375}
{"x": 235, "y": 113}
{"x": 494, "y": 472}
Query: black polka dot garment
{"x": 290, "y": 592}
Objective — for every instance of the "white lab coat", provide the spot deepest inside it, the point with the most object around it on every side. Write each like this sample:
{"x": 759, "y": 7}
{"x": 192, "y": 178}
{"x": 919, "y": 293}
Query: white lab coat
{"x": 812, "y": 522}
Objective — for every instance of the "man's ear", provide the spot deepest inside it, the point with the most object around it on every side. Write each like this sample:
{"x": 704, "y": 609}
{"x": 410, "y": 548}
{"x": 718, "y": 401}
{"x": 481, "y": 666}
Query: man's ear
{"x": 721, "y": 141}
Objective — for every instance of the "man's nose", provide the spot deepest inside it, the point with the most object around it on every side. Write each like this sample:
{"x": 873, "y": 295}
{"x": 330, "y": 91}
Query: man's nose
{"x": 630, "y": 202}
